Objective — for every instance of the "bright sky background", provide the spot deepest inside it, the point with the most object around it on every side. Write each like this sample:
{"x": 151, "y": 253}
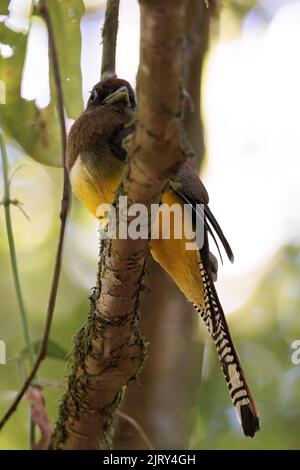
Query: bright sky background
{"x": 252, "y": 116}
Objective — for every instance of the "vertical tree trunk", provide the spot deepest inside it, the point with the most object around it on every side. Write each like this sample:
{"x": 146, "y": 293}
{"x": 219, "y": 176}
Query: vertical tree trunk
{"x": 165, "y": 401}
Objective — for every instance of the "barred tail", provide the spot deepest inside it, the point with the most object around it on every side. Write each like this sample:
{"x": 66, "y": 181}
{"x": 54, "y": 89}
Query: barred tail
{"x": 215, "y": 321}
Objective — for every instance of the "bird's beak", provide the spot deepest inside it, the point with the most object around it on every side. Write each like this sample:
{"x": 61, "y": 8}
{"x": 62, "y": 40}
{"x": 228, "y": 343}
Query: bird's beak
{"x": 121, "y": 94}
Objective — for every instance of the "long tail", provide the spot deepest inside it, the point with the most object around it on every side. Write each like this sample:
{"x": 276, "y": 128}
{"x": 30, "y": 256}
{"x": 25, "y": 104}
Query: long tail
{"x": 215, "y": 321}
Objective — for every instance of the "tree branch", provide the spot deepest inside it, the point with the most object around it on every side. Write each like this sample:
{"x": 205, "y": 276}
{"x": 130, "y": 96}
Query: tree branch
{"x": 109, "y": 350}
{"x": 63, "y": 217}
{"x": 12, "y": 250}
{"x": 109, "y": 38}
{"x": 196, "y": 43}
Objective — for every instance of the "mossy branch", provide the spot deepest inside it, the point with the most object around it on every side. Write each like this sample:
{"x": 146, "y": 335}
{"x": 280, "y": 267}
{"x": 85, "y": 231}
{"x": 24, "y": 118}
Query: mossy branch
{"x": 109, "y": 350}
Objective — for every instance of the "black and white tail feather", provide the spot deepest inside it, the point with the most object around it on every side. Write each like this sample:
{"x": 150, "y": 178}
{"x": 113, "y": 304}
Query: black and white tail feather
{"x": 214, "y": 319}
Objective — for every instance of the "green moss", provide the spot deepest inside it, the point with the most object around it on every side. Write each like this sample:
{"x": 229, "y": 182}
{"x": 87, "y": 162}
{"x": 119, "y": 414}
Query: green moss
{"x": 75, "y": 400}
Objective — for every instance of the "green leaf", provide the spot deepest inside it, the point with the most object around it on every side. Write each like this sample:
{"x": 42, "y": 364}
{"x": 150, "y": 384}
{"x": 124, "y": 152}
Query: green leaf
{"x": 54, "y": 350}
{"x": 241, "y": 7}
{"x": 4, "y": 7}
{"x": 66, "y": 16}
{"x": 36, "y": 130}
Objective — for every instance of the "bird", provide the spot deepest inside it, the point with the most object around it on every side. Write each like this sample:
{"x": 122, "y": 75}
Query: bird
{"x": 95, "y": 160}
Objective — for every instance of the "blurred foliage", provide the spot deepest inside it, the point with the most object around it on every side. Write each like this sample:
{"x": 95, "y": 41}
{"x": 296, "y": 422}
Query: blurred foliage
{"x": 66, "y": 18}
{"x": 4, "y": 7}
{"x": 37, "y": 130}
{"x": 36, "y": 244}
{"x": 54, "y": 350}
{"x": 240, "y": 7}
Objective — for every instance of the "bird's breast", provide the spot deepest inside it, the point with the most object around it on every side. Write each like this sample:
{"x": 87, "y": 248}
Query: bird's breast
{"x": 93, "y": 185}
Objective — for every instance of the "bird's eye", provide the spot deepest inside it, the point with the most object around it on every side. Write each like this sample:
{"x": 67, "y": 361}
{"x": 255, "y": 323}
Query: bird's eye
{"x": 93, "y": 96}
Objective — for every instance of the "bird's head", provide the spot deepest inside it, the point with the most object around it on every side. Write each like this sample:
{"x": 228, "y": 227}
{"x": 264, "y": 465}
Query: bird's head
{"x": 112, "y": 92}
{"x": 109, "y": 109}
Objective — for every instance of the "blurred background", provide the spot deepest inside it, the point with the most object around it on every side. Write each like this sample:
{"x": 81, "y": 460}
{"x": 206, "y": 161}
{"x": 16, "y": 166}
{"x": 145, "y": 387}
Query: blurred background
{"x": 250, "y": 106}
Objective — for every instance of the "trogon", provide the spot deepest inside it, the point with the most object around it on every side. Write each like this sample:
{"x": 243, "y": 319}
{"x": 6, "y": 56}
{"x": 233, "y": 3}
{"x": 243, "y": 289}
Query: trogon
{"x": 95, "y": 161}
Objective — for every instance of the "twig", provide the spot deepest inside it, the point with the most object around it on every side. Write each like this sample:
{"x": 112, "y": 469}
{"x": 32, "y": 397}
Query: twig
{"x": 63, "y": 217}
{"x": 13, "y": 257}
{"x": 7, "y": 201}
{"x": 14, "y": 173}
{"x": 109, "y": 38}
{"x": 137, "y": 427}
{"x": 17, "y": 203}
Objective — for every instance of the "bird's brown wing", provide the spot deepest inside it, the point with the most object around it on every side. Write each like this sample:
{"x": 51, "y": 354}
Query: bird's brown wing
{"x": 116, "y": 141}
{"x": 189, "y": 187}
{"x": 188, "y": 184}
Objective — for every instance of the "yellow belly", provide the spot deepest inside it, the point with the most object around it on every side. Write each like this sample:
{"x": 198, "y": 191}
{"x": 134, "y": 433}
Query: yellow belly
{"x": 92, "y": 190}
{"x": 181, "y": 264}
